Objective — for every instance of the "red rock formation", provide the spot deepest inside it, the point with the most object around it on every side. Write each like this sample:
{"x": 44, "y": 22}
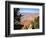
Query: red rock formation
{"x": 27, "y": 18}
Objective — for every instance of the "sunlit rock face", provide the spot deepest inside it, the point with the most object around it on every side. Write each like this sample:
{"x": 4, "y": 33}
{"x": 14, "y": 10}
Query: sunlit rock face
{"x": 27, "y": 18}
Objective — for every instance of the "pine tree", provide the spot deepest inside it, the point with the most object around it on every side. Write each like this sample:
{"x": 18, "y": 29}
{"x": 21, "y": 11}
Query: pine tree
{"x": 17, "y": 17}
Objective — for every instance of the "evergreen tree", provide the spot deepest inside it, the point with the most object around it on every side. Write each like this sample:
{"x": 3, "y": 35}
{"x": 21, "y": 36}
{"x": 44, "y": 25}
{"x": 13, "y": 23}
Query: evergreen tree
{"x": 17, "y": 17}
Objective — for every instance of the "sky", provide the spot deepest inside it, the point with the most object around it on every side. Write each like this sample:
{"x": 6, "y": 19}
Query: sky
{"x": 29, "y": 10}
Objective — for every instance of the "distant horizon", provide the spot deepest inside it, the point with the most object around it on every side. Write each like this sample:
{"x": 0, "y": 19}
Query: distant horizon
{"x": 29, "y": 13}
{"x": 29, "y": 10}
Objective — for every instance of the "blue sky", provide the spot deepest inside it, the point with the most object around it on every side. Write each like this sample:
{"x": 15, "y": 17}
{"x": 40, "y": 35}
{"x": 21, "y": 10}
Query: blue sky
{"x": 29, "y": 10}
